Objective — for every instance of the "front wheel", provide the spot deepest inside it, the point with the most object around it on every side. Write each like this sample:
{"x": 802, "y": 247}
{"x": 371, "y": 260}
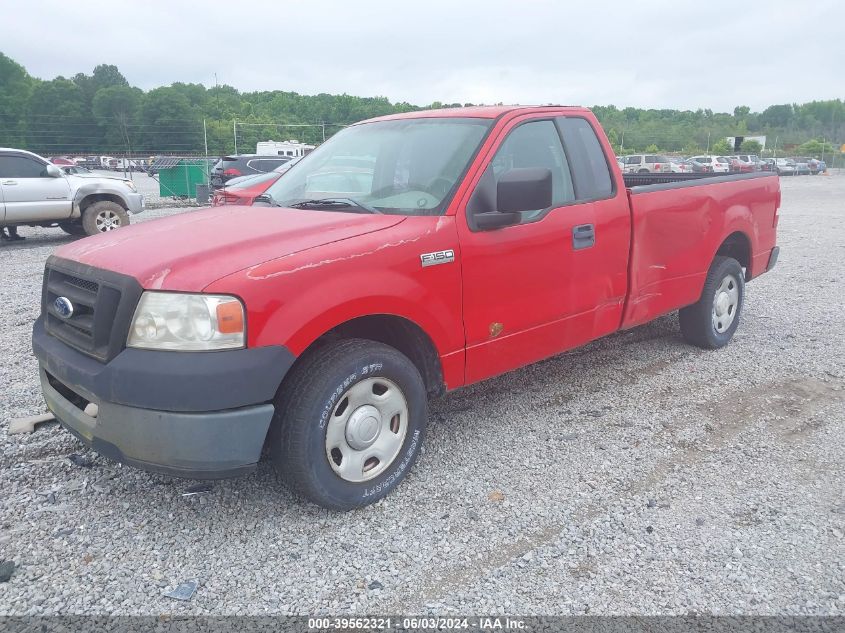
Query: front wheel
{"x": 349, "y": 424}
{"x": 104, "y": 216}
{"x": 711, "y": 322}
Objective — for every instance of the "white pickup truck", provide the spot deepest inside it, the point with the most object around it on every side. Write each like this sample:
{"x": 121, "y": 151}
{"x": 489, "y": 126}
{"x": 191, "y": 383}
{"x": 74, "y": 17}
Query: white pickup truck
{"x": 35, "y": 192}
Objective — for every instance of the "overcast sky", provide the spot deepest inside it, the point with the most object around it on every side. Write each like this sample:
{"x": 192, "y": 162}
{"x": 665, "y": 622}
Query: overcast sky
{"x": 646, "y": 53}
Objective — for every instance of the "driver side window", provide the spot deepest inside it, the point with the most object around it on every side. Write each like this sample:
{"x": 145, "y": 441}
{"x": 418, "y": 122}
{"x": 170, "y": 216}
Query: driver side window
{"x": 21, "y": 167}
{"x": 537, "y": 144}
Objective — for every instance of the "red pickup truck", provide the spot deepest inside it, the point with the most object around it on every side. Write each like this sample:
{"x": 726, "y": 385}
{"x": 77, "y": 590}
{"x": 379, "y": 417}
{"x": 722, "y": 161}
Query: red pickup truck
{"x": 406, "y": 256}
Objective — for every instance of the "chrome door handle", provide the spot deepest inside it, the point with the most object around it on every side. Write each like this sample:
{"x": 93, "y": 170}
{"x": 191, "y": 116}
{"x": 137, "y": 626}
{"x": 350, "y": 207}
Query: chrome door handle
{"x": 10, "y": 182}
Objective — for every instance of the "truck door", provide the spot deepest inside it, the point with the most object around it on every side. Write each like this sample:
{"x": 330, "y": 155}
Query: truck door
{"x": 29, "y": 193}
{"x": 558, "y": 278}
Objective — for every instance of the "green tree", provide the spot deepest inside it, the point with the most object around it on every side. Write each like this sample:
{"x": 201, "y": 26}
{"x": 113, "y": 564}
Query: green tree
{"x": 106, "y": 76}
{"x": 115, "y": 109}
{"x": 721, "y": 147}
{"x": 58, "y": 119}
{"x": 613, "y": 137}
{"x": 652, "y": 149}
{"x": 15, "y": 88}
{"x": 750, "y": 146}
{"x": 740, "y": 112}
{"x": 815, "y": 148}
{"x": 169, "y": 123}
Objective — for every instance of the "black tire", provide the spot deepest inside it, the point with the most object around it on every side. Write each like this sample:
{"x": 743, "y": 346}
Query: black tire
{"x": 73, "y": 227}
{"x": 699, "y": 322}
{"x": 94, "y": 215}
{"x": 313, "y": 392}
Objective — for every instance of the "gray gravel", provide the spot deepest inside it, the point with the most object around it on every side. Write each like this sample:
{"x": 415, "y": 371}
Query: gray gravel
{"x": 634, "y": 476}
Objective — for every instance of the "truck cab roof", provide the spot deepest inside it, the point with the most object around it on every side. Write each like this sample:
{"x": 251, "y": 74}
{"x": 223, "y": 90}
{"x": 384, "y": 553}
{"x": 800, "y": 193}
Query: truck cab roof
{"x": 480, "y": 112}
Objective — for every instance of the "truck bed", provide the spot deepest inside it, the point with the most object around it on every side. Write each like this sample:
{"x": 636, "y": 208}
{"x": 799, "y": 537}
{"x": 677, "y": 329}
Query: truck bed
{"x": 646, "y": 180}
{"x": 681, "y": 221}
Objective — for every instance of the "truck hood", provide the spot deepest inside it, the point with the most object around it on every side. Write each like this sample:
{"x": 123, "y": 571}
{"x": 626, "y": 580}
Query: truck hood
{"x": 191, "y": 250}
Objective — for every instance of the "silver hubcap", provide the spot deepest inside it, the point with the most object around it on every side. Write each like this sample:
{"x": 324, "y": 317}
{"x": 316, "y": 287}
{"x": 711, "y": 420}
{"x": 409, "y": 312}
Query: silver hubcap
{"x": 725, "y": 303}
{"x": 367, "y": 429}
{"x": 107, "y": 221}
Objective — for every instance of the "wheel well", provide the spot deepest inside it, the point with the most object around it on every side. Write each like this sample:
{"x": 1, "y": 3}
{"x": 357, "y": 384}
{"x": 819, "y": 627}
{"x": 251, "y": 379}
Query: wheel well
{"x": 738, "y": 246}
{"x": 88, "y": 200}
{"x": 400, "y": 333}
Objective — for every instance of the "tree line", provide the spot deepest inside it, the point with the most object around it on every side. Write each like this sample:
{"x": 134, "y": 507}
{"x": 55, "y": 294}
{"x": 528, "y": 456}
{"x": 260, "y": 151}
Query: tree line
{"x": 102, "y": 113}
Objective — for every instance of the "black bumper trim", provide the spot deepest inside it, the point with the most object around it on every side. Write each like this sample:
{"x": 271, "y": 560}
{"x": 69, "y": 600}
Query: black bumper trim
{"x": 169, "y": 381}
{"x": 211, "y": 445}
{"x": 773, "y": 258}
{"x": 110, "y": 451}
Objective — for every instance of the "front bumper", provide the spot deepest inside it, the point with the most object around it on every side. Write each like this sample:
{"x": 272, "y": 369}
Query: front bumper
{"x": 191, "y": 414}
{"x": 135, "y": 202}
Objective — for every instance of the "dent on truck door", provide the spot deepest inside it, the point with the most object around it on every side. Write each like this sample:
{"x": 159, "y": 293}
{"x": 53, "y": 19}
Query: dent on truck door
{"x": 555, "y": 280}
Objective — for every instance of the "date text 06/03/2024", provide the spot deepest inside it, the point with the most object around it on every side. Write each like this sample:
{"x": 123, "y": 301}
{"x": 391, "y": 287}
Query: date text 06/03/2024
{"x": 416, "y": 623}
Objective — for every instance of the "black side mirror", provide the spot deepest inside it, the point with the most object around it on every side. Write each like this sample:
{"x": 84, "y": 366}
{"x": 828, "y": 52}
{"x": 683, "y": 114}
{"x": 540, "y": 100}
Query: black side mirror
{"x": 495, "y": 205}
{"x": 524, "y": 189}
{"x": 495, "y": 220}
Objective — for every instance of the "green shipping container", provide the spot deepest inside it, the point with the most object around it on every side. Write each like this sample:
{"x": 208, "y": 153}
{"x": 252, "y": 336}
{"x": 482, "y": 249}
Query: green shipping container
{"x": 181, "y": 180}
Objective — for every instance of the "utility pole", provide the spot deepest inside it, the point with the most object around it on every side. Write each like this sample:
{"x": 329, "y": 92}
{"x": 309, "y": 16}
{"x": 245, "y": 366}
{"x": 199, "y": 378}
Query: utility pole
{"x": 323, "y": 124}
{"x": 235, "y": 134}
{"x": 205, "y": 142}
{"x": 708, "y": 142}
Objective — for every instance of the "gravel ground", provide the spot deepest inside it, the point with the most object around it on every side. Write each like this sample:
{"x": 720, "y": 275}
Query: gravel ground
{"x": 633, "y": 476}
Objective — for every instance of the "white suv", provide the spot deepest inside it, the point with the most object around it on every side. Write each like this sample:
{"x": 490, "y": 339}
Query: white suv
{"x": 716, "y": 164}
{"x": 35, "y": 192}
{"x": 647, "y": 164}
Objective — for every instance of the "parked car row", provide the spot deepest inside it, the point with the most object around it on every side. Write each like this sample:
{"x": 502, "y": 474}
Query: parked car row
{"x": 740, "y": 163}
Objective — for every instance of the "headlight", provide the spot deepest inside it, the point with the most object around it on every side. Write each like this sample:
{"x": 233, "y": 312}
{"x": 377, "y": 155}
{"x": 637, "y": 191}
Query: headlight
{"x": 131, "y": 185}
{"x": 176, "y": 321}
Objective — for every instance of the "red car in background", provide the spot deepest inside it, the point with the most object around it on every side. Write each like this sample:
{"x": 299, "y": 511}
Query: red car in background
{"x": 741, "y": 166}
{"x": 245, "y": 190}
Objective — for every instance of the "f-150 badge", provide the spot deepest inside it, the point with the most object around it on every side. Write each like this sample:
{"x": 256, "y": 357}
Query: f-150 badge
{"x": 438, "y": 257}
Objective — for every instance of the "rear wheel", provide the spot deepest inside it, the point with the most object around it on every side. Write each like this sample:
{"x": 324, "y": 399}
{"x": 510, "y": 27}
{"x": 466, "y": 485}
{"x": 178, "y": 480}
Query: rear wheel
{"x": 350, "y": 421}
{"x": 104, "y": 216}
{"x": 711, "y": 322}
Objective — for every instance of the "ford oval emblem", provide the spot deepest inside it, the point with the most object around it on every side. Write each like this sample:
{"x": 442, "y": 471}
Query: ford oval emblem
{"x": 64, "y": 307}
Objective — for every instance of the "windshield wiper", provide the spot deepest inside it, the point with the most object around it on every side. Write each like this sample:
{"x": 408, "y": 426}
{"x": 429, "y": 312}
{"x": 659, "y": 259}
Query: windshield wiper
{"x": 334, "y": 204}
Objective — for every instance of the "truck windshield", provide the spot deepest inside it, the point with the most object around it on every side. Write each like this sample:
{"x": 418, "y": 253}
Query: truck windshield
{"x": 400, "y": 167}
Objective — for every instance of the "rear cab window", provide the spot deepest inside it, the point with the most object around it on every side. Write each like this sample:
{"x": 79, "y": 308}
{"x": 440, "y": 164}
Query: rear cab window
{"x": 589, "y": 165}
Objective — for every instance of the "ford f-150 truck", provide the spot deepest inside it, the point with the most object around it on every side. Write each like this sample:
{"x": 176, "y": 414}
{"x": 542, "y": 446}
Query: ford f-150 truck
{"x": 406, "y": 256}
